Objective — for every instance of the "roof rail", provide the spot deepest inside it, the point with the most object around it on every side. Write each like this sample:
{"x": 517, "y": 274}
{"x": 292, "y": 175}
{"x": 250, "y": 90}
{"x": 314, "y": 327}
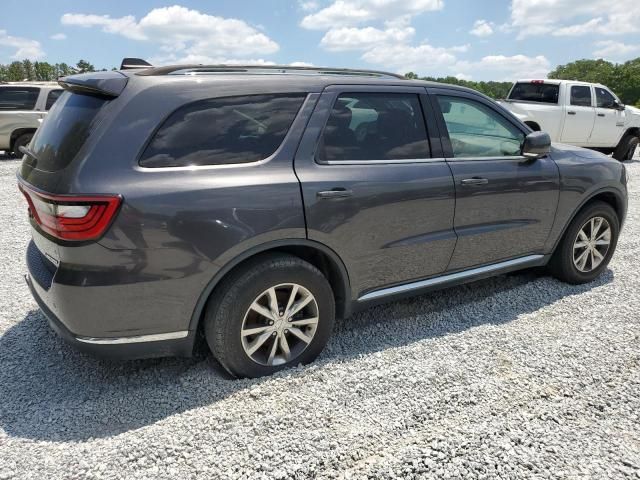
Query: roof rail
{"x": 264, "y": 69}
{"x": 130, "y": 63}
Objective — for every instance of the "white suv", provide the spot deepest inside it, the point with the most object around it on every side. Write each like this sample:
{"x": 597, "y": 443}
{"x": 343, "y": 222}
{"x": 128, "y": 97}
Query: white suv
{"x": 23, "y": 105}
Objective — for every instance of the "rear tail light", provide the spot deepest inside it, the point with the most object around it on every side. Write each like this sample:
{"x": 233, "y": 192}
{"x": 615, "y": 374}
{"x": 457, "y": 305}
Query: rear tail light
{"x": 71, "y": 217}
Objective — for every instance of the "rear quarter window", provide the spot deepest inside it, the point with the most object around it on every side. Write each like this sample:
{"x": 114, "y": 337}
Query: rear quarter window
{"x": 535, "y": 92}
{"x": 223, "y": 131}
{"x": 18, "y": 98}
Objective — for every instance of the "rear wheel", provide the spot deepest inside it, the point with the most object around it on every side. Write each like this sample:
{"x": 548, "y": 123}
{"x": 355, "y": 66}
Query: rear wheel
{"x": 22, "y": 141}
{"x": 276, "y": 311}
{"x": 588, "y": 244}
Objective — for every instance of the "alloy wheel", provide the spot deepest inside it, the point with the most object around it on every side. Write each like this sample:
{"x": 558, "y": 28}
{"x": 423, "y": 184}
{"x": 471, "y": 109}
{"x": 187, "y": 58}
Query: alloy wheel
{"x": 279, "y": 324}
{"x": 591, "y": 244}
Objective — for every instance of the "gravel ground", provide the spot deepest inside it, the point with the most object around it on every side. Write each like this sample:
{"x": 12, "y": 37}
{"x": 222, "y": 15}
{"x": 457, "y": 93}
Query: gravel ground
{"x": 518, "y": 376}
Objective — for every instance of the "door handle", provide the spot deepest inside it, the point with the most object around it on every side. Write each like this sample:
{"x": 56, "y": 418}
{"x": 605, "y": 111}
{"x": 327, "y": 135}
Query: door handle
{"x": 601, "y": 114}
{"x": 571, "y": 112}
{"x": 474, "y": 181}
{"x": 335, "y": 193}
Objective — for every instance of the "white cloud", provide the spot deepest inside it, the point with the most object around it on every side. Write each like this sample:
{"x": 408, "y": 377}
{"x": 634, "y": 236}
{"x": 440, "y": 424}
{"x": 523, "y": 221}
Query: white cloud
{"x": 507, "y": 68}
{"x": 125, "y": 26}
{"x": 344, "y": 13}
{"x": 463, "y": 76}
{"x": 566, "y": 17}
{"x": 58, "y": 36}
{"x": 188, "y": 34}
{"x": 301, "y": 64}
{"x": 308, "y": 5}
{"x": 422, "y": 59}
{"x": 354, "y": 38}
{"x": 23, "y": 47}
{"x": 610, "y": 49}
{"x": 482, "y": 28}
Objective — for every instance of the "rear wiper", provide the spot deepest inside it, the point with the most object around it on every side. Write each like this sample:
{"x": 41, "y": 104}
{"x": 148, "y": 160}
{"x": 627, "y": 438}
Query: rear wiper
{"x": 28, "y": 152}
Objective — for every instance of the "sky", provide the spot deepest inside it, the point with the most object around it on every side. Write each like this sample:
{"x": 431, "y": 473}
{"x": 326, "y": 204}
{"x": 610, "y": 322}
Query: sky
{"x": 470, "y": 39}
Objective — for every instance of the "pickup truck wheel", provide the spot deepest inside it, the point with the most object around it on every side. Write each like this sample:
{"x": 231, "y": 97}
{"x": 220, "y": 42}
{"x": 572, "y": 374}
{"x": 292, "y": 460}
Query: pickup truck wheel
{"x": 587, "y": 246}
{"x": 22, "y": 141}
{"x": 274, "y": 312}
{"x": 626, "y": 148}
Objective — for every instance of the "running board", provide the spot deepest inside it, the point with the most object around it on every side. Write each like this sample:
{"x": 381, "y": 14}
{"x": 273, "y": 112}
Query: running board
{"x": 454, "y": 278}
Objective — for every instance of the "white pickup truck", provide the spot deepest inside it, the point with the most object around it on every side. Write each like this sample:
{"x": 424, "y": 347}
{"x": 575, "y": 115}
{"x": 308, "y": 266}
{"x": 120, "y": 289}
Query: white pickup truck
{"x": 578, "y": 113}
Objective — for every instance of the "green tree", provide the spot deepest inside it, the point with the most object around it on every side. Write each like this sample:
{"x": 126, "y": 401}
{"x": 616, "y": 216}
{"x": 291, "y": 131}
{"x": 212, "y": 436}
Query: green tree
{"x": 83, "y": 66}
{"x": 15, "y": 72}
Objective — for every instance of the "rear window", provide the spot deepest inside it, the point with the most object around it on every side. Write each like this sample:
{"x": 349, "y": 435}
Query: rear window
{"x": 581, "y": 96}
{"x": 535, "y": 92}
{"x": 70, "y": 122}
{"x": 223, "y": 131}
{"x": 18, "y": 98}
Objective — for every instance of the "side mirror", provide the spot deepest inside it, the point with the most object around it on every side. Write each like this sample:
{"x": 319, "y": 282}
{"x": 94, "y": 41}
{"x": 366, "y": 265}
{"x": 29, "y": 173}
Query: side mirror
{"x": 536, "y": 145}
{"x": 618, "y": 106}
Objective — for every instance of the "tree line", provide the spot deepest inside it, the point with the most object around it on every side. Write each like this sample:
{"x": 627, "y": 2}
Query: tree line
{"x": 40, "y": 71}
{"x": 622, "y": 78}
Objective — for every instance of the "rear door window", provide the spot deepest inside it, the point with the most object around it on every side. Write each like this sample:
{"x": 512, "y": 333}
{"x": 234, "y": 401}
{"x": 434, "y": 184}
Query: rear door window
{"x": 71, "y": 121}
{"x": 581, "y": 96}
{"x": 18, "y": 98}
{"x": 52, "y": 96}
{"x": 535, "y": 92}
{"x": 223, "y": 131}
{"x": 375, "y": 126}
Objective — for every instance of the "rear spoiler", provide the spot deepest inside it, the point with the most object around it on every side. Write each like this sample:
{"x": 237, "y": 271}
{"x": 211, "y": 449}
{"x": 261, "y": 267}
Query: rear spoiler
{"x": 103, "y": 84}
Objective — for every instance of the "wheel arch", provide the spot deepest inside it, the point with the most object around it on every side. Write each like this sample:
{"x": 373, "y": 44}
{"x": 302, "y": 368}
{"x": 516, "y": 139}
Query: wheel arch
{"x": 607, "y": 195}
{"x": 319, "y": 255}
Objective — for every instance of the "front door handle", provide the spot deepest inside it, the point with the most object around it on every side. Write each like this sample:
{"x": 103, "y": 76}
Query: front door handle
{"x": 335, "y": 193}
{"x": 601, "y": 114}
{"x": 474, "y": 181}
{"x": 571, "y": 112}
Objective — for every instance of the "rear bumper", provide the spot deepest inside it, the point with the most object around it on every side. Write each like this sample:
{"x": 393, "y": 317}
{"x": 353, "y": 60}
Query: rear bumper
{"x": 178, "y": 343}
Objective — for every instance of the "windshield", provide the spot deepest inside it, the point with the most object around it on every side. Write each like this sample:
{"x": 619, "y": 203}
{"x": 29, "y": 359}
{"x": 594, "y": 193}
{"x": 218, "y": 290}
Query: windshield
{"x": 535, "y": 92}
{"x": 66, "y": 128}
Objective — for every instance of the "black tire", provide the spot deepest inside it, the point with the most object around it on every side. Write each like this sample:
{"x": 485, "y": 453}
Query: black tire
{"x": 22, "y": 141}
{"x": 626, "y": 148}
{"x": 230, "y": 302}
{"x": 562, "y": 262}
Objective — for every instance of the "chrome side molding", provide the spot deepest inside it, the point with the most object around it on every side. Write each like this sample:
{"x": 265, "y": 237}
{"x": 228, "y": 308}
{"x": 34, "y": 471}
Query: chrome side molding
{"x": 452, "y": 277}
{"x": 156, "y": 337}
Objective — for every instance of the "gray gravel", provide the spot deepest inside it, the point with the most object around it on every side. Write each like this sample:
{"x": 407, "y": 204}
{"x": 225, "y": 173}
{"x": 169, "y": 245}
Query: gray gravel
{"x": 514, "y": 377}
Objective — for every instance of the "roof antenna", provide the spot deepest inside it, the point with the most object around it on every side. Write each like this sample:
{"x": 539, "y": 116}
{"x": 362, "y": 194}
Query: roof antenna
{"x": 131, "y": 63}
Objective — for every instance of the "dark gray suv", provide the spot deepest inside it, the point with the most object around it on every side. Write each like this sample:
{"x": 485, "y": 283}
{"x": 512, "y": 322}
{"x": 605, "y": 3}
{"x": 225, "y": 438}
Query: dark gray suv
{"x": 256, "y": 205}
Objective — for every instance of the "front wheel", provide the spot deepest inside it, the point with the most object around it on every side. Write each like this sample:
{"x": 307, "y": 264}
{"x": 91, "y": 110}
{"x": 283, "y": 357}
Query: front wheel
{"x": 275, "y": 312}
{"x": 587, "y": 246}
{"x": 626, "y": 149}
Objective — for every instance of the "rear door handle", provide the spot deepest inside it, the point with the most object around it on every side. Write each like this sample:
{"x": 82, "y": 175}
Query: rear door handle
{"x": 571, "y": 113}
{"x": 474, "y": 181}
{"x": 601, "y": 114}
{"x": 335, "y": 193}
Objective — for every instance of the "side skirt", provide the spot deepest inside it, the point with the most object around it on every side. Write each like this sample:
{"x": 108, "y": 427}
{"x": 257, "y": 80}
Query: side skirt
{"x": 451, "y": 279}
